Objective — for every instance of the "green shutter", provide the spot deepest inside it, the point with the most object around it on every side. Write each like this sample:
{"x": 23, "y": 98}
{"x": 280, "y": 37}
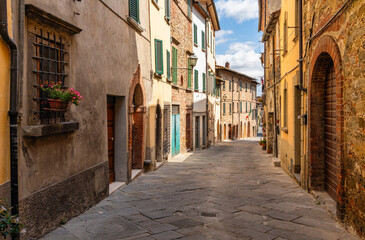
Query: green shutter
{"x": 174, "y": 65}
{"x": 195, "y": 34}
{"x": 167, "y": 9}
{"x": 203, "y": 40}
{"x": 224, "y": 108}
{"x": 168, "y": 61}
{"x": 196, "y": 80}
{"x": 189, "y": 77}
{"x": 134, "y": 9}
{"x": 204, "y": 82}
{"x": 158, "y": 56}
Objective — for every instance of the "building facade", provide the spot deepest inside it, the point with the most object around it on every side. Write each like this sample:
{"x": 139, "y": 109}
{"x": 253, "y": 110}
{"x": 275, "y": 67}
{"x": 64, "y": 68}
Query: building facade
{"x": 159, "y": 109}
{"x": 321, "y": 98}
{"x": 67, "y": 160}
{"x": 238, "y": 104}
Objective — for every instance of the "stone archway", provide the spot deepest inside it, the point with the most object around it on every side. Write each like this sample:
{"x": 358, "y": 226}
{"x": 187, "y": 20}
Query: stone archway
{"x": 325, "y": 119}
{"x": 136, "y": 123}
{"x": 158, "y": 143}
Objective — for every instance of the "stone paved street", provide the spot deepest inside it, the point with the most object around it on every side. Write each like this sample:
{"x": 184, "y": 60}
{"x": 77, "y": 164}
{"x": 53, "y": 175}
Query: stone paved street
{"x": 230, "y": 191}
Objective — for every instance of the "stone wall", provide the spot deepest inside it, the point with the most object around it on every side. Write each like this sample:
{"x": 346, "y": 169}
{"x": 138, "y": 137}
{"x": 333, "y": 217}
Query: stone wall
{"x": 344, "y": 41}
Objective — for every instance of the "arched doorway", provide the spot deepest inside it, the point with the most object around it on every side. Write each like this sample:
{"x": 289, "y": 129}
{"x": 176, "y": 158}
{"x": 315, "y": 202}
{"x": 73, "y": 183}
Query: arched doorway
{"x": 324, "y": 128}
{"x": 218, "y": 131}
{"x": 158, "y": 134}
{"x": 136, "y": 123}
{"x": 248, "y": 129}
{"x": 241, "y": 132}
{"x": 225, "y": 132}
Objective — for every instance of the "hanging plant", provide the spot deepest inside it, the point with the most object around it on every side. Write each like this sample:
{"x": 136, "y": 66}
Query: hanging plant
{"x": 9, "y": 224}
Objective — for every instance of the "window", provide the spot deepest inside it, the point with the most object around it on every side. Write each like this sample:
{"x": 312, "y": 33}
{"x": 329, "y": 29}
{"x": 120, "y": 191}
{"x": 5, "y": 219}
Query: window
{"x": 240, "y": 107}
{"x": 134, "y": 10}
{"x": 189, "y": 8}
{"x": 230, "y": 108}
{"x": 286, "y": 33}
{"x": 246, "y": 89}
{"x": 196, "y": 80}
{"x": 167, "y": 9}
{"x": 174, "y": 65}
{"x": 237, "y": 108}
{"x": 203, "y": 75}
{"x": 224, "y": 108}
{"x": 250, "y": 107}
{"x": 158, "y": 57}
{"x": 203, "y": 40}
{"x": 230, "y": 85}
{"x": 285, "y": 108}
{"x": 49, "y": 69}
{"x": 168, "y": 62}
{"x": 240, "y": 86}
{"x": 195, "y": 34}
{"x": 224, "y": 85}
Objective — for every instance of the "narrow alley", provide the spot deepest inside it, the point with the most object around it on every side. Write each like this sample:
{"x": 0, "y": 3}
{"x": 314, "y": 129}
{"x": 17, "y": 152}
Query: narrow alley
{"x": 230, "y": 191}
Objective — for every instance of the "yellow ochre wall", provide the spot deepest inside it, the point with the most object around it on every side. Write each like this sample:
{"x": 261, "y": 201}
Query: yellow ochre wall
{"x": 289, "y": 79}
{"x": 4, "y": 104}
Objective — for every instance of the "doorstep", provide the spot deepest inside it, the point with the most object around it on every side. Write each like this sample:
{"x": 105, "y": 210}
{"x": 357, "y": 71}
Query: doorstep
{"x": 114, "y": 186}
{"x": 136, "y": 173}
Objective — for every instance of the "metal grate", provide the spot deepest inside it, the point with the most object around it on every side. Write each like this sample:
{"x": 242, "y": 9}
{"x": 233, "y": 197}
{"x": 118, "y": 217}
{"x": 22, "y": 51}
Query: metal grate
{"x": 50, "y": 69}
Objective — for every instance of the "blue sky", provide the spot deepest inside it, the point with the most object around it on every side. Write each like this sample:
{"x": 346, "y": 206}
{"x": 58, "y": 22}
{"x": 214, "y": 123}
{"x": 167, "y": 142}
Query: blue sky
{"x": 238, "y": 40}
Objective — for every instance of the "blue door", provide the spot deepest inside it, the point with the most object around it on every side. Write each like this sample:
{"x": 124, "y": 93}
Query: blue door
{"x": 175, "y": 129}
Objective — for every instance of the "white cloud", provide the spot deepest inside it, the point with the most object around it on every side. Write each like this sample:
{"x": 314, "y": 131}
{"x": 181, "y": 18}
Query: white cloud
{"x": 242, "y": 58}
{"x": 240, "y": 10}
{"x": 221, "y": 36}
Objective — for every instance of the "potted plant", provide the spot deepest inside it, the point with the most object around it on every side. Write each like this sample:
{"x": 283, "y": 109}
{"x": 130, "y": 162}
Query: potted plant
{"x": 59, "y": 99}
{"x": 9, "y": 224}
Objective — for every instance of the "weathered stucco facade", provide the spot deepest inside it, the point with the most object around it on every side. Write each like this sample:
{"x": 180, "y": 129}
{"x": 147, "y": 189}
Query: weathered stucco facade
{"x": 63, "y": 163}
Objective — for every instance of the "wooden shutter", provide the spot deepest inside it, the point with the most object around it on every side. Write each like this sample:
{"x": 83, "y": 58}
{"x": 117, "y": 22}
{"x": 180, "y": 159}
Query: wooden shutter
{"x": 168, "y": 64}
{"x": 167, "y": 9}
{"x": 174, "y": 65}
{"x": 195, "y": 34}
{"x": 203, "y": 40}
{"x": 158, "y": 56}
{"x": 204, "y": 87}
{"x": 196, "y": 80}
{"x": 134, "y": 9}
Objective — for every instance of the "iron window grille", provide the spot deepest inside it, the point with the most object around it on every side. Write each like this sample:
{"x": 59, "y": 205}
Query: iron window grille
{"x": 49, "y": 70}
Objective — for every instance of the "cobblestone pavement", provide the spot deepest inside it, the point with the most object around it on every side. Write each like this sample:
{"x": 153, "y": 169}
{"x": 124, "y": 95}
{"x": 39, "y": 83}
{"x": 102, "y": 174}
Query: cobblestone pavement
{"x": 230, "y": 191}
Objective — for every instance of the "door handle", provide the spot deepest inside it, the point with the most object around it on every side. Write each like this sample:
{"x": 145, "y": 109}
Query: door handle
{"x": 111, "y": 139}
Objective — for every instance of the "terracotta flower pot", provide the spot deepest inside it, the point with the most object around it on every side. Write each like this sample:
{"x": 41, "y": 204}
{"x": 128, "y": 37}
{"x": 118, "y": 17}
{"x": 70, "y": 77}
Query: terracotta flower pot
{"x": 58, "y": 105}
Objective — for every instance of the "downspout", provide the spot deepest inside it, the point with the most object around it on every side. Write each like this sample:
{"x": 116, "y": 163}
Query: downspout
{"x": 13, "y": 111}
{"x": 273, "y": 65}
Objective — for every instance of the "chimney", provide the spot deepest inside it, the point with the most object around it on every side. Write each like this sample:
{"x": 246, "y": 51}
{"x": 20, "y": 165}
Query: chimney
{"x": 227, "y": 64}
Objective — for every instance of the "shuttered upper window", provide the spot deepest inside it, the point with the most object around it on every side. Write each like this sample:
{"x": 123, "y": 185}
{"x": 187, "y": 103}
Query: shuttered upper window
{"x": 134, "y": 10}
{"x": 167, "y": 9}
{"x": 204, "y": 87}
{"x": 224, "y": 108}
{"x": 168, "y": 66}
{"x": 189, "y": 8}
{"x": 174, "y": 65}
{"x": 158, "y": 56}
{"x": 195, "y": 34}
{"x": 196, "y": 80}
{"x": 203, "y": 40}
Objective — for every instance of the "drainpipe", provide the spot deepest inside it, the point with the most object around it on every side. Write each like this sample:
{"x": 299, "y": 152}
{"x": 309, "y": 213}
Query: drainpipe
{"x": 13, "y": 112}
{"x": 300, "y": 60}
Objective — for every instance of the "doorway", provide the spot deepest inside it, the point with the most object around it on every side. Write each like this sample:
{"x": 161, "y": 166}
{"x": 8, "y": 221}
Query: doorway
{"x": 175, "y": 128}
{"x": 111, "y": 137}
{"x": 137, "y": 128}
{"x": 197, "y": 132}
{"x": 158, "y": 139}
{"x": 225, "y": 132}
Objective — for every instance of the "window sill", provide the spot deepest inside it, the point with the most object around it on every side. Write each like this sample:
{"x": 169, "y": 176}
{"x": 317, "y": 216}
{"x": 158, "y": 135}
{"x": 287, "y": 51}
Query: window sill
{"x": 157, "y": 75}
{"x": 284, "y": 129}
{"x": 156, "y": 5}
{"x": 50, "y": 129}
{"x": 189, "y": 89}
{"x": 203, "y": 50}
{"x": 135, "y": 24}
{"x": 167, "y": 20}
{"x": 196, "y": 45}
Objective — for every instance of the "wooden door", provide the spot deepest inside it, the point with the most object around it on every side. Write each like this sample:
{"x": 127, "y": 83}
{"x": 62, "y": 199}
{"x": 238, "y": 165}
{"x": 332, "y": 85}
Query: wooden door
{"x": 225, "y": 132}
{"x": 197, "y": 133}
{"x": 330, "y": 145}
{"x": 111, "y": 129}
